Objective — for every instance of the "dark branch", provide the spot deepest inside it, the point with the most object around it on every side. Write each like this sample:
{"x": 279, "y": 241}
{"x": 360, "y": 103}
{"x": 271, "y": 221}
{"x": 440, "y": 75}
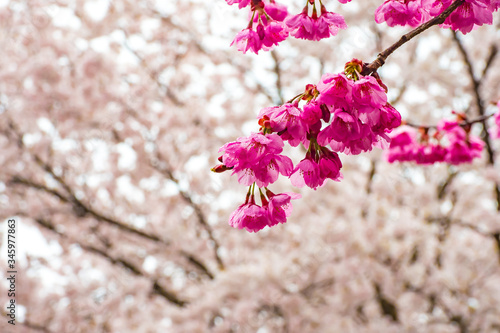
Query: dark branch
{"x": 490, "y": 59}
{"x": 485, "y": 135}
{"x": 379, "y": 62}
{"x": 129, "y": 266}
{"x": 277, "y": 71}
{"x": 81, "y": 209}
{"x": 164, "y": 169}
{"x": 441, "y": 190}
{"x": 388, "y": 308}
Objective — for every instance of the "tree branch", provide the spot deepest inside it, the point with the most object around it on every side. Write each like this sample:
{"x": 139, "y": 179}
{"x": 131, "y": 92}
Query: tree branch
{"x": 380, "y": 60}
{"x": 81, "y": 209}
{"x": 129, "y": 266}
{"x": 485, "y": 135}
{"x": 160, "y": 164}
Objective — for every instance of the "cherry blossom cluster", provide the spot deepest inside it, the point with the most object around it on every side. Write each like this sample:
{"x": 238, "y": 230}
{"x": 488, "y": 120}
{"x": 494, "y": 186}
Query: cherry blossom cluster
{"x": 270, "y": 23}
{"x": 467, "y": 16}
{"x": 450, "y": 142}
{"x": 345, "y": 113}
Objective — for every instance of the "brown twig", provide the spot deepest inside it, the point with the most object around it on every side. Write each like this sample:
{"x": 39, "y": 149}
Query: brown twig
{"x": 277, "y": 71}
{"x": 124, "y": 263}
{"x": 159, "y": 163}
{"x": 380, "y": 60}
{"x": 485, "y": 135}
{"x": 81, "y": 209}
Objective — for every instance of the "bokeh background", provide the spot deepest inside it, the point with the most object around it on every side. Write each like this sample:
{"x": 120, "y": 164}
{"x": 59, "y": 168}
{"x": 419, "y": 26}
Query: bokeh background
{"x": 111, "y": 116}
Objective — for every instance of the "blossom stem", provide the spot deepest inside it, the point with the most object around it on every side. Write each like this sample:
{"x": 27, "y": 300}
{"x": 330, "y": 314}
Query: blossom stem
{"x": 250, "y": 24}
{"x": 380, "y": 60}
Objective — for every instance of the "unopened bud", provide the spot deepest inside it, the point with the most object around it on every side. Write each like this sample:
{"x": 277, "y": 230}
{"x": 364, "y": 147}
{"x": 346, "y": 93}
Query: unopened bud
{"x": 220, "y": 168}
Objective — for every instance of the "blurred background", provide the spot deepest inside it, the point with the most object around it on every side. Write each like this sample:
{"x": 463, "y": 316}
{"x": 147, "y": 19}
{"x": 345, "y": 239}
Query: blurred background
{"x": 111, "y": 116}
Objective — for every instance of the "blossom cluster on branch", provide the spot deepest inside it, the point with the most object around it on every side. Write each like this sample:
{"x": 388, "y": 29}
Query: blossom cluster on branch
{"x": 345, "y": 113}
{"x": 270, "y": 23}
{"x": 469, "y": 15}
{"x": 450, "y": 142}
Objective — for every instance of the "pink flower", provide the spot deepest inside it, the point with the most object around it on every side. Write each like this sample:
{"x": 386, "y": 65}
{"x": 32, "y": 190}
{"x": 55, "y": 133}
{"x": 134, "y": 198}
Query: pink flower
{"x": 468, "y": 16}
{"x": 464, "y": 151}
{"x": 330, "y": 165}
{"x": 401, "y": 12}
{"x": 257, "y": 159}
{"x": 429, "y": 153}
{"x": 313, "y": 27}
{"x": 249, "y": 216}
{"x": 328, "y": 24}
{"x": 276, "y": 11}
{"x": 279, "y": 206}
{"x": 368, "y": 94}
{"x": 312, "y": 113}
{"x": 274, "y": 33}
{"x": 403, "y": 146}
{"x": 301, "y": 25}
{"x": 382, "y": 120}
{"x": 316, "y": 168}
{"x": 345, "y": 127}
{"x": 247, "y": 39}
{"x": 286, "y": 119}
{"x": 463, "y": 147}
{"x": 307, "y": 173}
{"x": 241, "y": 3}
{"x": 335, "y": 89}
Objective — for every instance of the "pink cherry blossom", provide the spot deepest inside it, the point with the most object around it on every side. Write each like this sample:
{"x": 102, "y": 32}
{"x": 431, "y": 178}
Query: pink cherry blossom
{"x": 247, "y": 39}
{"x": 313, "y": 27}
{"x": 468, "y": 16}
{"x": 287, "y": 119}
{"x": 312, "y": 113}
{"x": 401, "y": 12}
{"x": 274, "y": 32}
{"x": 464, "y": 151}
{"x": 318, "y": 166}
{"x": 403, "y": 146}
{"x": 328, "y": 24}
{"x": 257, "y": 159}
{"x": 276, "y": 11}
{"x": 345, "y": 127}
{"x": 301, "y": 26}
{"x": 335, "y": 89}
{"x": 368, "y": 94}
{"x": 241, "y": 3}
{"x": 307, "y": 172}
{"x": 279, "y": 206}
{"x": 330, "y": 165}
{"x": 249, "y": 216}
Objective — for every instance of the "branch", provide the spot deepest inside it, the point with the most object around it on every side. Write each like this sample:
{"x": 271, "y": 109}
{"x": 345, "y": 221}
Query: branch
{"x": 441, "y": 190}
{"x": 277, "y": 71}
{"x": 379, "y": 62}
{"x": 129, "y": 266}
{"x": 164, "y": 169}
{"x": 81, "y": 209}
{"x": 388, "y": 308}
{"x": 490, "y": 59}
{"x": 480, "y": 105}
